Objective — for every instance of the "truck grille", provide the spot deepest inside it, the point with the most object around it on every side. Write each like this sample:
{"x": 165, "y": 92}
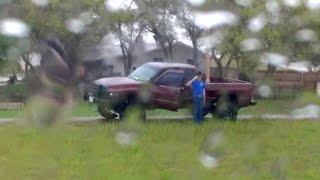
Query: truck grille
{"x": 97, "y": 91}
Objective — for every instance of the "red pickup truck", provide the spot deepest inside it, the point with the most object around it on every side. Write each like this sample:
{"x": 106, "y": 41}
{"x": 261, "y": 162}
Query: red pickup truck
{"x": 162, "y": 85}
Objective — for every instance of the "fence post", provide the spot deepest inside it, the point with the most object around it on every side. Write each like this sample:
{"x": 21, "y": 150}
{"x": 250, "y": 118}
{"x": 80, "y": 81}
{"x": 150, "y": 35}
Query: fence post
{"x": 294, "y": 91}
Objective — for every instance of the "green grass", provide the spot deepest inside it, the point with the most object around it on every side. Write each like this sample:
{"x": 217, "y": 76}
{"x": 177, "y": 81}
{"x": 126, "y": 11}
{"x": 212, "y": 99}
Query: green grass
{"x": 272, "y": 106}
{"x": 85, "y": 109}
{"x": 249, "y": 150}
{"x": 264, "y": 106}
{"x": 9, "y": 113}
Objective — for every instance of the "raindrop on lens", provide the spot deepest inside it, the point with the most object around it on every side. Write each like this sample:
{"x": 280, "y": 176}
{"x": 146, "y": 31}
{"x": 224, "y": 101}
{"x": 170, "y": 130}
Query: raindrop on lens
{"x": 273, "y": 6}
{"x": 292, "y": 3}
{"x": 116, "y": 5}
{"x": 257, "y": 23}
{"x": 75, "y": 25}
{"x": 14, "y": 27}
{"x": 275, "y": 59}
{"x": 311, "y": 111}
{"x": 196, "y": 2}
{"x": 208, "y": 161}
{"x": 244, "y": 3}
{"x": 215, "y": 18}
{"x": 250, "y": 44}
{"x": 313, "y": 4}
{"x": 41, "y": 3}
{"x": 306, "y": 35}
{"x": 126, "y": 137}
{"x": 264, "y": 91}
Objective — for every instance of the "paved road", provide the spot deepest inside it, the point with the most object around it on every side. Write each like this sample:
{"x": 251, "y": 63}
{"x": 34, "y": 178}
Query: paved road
{"x": 177, "y": 118}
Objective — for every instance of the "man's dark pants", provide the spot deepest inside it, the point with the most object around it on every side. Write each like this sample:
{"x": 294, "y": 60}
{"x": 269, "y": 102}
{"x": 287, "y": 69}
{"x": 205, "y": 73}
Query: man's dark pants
{"x": 198, "y": 109}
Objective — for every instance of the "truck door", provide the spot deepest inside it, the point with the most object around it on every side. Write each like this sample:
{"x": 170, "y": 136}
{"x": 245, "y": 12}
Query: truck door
{"x": 167, "y": 90}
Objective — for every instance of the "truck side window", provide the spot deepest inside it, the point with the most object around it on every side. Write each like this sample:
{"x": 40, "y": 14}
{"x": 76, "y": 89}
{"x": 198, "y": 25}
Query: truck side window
{"x": 188, "y": 75}
{"x": 172, "y": 79}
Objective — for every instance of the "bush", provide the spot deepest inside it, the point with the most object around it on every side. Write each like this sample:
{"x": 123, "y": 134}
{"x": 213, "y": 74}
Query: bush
{"x": 13, "y": 92}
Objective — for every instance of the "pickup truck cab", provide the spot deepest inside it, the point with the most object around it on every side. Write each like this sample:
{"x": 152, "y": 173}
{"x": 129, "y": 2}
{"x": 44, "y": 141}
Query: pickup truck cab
{"x": 162, "y": 85}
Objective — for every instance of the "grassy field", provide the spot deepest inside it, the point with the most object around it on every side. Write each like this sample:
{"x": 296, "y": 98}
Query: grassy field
{"x": 264, "y": 106}
{"x": 9, "y": 113}
{"x": 85, "y": 109}
{"x": 248, "y": 150}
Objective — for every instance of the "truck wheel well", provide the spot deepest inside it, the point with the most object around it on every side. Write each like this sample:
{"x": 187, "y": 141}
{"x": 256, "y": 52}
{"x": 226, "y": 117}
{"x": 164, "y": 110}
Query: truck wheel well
{"x": 232, "y": 97}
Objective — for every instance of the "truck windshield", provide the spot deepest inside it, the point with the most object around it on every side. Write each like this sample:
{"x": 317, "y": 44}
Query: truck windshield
{"x": 143, "y": 73}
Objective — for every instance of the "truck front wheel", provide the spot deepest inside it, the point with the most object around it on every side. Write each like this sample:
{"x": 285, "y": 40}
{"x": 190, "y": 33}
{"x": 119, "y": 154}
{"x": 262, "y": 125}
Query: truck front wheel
{"x": 227, "y": 108}
{"x": 105, "y": 112}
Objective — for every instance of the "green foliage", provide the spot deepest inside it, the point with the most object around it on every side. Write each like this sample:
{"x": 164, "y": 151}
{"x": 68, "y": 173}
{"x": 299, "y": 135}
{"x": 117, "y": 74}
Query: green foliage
{"x": 14, "y": 90}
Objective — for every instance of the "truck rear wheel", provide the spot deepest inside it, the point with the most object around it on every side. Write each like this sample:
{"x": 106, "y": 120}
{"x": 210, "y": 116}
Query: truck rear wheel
{"x": 227, "y": 108}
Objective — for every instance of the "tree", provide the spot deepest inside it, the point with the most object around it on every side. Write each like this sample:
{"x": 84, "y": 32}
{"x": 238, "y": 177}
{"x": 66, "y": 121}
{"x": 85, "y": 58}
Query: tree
{"x": 194, "y": 31}
{"x": 127, "y": 28}
{"x": 158, "y": 18}
{"x": 292, "y": 32}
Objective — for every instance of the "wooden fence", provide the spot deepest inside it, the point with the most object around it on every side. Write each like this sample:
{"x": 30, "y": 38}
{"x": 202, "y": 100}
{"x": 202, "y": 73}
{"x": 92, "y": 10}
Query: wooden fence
{"x": 281, "y": 80}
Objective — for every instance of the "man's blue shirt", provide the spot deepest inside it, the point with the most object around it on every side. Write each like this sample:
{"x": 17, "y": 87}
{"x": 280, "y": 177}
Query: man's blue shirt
{"x": 197, "y": 88}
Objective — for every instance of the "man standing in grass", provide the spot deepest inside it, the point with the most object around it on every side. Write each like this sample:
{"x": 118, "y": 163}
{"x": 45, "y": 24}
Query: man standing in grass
{"x": 199, "y": 95}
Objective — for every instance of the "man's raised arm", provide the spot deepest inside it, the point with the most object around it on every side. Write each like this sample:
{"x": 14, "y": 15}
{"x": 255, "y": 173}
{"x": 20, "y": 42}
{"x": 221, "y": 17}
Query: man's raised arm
{"x": 190, "y": 82}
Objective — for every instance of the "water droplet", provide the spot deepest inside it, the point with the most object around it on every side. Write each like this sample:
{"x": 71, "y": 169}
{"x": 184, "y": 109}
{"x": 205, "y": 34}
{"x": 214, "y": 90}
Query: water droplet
{"x": 86, "y": 17}
{"x": 306, "y": 35}
{"x": 264, "y": 91}
{"x": 275, "y": 59}
{"x": 75, "y": 25}
{"x": 41, "y": 3}
{"x": 273, "y": 6}
{"x": 212, "y": 40}
{"x": 196, "y": 2}
{"x": 292, "y": 3}
{"x": 311, "y": 111}
{"x": 115, "y": 5}
{"x": 251, "y": 44}
{"x": 244, "y": 3}
{"x": 14, "y": 27}
{"x": 208, "y": 161}
{"x": 301, "y": 66}
{"x": 35, "y": 58}
{"x": 126, "y": 137}
{"x": 313, "y": 4}
{"x": 257, "y": 23}
{"x": 215, "y": 18}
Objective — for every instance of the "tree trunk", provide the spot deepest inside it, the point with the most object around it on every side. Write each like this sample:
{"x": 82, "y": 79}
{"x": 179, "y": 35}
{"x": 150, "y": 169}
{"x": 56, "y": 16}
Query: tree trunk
{"x": 195, "y": 53}
{"x": 165, "y": 50}
{"x": 170, "y": 51}
{"x": 129, "y": 64}
{"x": 26, "y": 69}
{"x": 227, "y": 68}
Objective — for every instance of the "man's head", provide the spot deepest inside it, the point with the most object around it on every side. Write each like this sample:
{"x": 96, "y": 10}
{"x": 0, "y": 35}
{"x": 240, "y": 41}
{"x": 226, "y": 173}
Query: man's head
{"x": 199, "y": 75}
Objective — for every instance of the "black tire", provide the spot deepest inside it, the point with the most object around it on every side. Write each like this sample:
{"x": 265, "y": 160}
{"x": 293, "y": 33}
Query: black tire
{"x": 208, "y": 107}
{"x": 105, "y": 112}
{"x": 226, "y": 108}
{"x": 121, "y": 109}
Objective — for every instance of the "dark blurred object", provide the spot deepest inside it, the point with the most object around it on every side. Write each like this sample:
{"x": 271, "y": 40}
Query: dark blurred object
{"x": 54, "y": 61}
{"x": 244, "y": 77}
{"x": 12, "y": 79}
